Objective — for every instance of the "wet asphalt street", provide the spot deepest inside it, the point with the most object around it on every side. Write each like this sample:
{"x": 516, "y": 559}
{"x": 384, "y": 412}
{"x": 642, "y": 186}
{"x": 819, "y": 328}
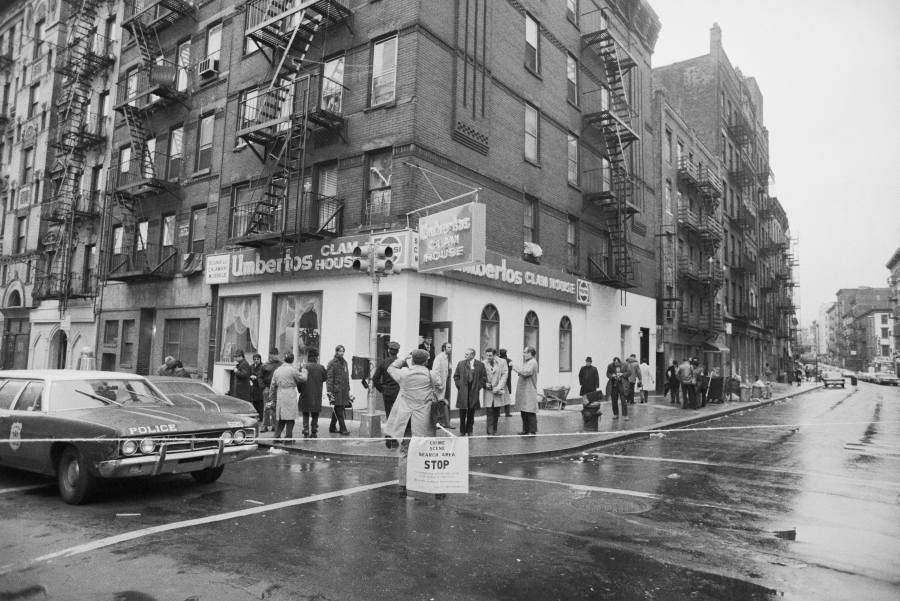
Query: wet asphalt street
{"x": 684, "y": 515}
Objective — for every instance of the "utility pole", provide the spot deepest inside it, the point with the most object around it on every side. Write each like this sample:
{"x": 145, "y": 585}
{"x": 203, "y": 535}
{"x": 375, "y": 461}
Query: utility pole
{"x": 377, "y": 261}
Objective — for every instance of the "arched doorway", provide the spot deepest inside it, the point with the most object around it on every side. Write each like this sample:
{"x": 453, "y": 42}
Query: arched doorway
{"x": 59, "y": 346}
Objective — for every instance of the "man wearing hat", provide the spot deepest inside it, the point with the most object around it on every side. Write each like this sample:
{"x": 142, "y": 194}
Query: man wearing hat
{"x": 383, "y": 381}
{"x": 588, "y": 378}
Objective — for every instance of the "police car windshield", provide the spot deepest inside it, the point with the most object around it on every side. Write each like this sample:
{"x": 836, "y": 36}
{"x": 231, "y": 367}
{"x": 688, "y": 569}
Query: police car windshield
{"x": 82, "y": 394}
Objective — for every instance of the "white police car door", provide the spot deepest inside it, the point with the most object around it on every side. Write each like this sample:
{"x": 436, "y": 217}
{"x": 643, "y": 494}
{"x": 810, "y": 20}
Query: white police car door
{"x": 10, "y": 429}
{"x": 30, "y": 427}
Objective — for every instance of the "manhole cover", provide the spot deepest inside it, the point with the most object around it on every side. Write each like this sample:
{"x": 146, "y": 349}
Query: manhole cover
{"x": 613, "y": 504}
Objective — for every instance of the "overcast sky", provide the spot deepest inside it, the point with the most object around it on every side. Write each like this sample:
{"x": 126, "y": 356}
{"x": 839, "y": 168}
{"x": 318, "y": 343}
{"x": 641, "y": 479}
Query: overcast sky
{"x": 830, "y": 77}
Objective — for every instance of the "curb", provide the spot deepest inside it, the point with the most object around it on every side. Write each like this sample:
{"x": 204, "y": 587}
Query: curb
{"x": 614, "y": 439}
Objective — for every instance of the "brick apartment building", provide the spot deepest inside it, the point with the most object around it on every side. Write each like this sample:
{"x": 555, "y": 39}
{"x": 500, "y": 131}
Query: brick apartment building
{"x": 862, "y": 314}
{"x": 894, "y": 282}
{"x": 257, "y": 130}
{"x": 56, "y": 63}
{"x": 725, "y": 110}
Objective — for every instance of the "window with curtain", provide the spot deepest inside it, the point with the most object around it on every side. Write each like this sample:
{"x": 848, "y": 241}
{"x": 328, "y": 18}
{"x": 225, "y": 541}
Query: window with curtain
{"x": 297, "y": 315}
{"x": 532, "y": 331}
{"x": 176, "y": 152}
{"x": 565, "y": 344}
{"x": 490, "y": 328}
{"x": 333, "y": 85}
{"x": 205, "y": 142}
{"x": 379, "y": 183}
{"x": 384, "y": 71}
{"x": 238, "y": 326}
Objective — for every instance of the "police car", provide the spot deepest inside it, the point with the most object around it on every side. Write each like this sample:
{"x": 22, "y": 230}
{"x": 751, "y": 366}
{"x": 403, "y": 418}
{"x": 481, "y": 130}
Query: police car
{"x": 81, "y": 426}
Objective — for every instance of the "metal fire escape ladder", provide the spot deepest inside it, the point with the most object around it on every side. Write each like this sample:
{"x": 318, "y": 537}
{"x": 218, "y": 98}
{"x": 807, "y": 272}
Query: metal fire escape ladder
{"x": 78, "y": 65}
{"x": 617, "y": 135}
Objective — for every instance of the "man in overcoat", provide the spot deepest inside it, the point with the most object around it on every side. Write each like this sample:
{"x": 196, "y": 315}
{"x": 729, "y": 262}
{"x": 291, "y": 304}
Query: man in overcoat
{"x": 311, "y": 394}
{"x": 526, "y": 390}
{"x": 241, "y": 384}
{"x": 588, "y": 378}
{"x": 383, "y": 381}
{"x": 495, "y": 395}
{"x": 470, "y": 378}
{"x": 338, "y": 384}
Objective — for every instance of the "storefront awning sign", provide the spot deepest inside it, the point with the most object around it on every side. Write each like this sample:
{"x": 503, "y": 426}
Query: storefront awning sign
{"x": 452, "y": 238}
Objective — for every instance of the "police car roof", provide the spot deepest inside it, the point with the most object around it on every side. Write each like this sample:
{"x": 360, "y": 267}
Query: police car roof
{"x": 68, "y": 374}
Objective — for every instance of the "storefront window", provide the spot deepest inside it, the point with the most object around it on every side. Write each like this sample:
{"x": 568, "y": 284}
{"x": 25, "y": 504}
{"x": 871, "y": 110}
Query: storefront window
{"x": 239, "y": 326}
{"x": 300, "y": 315}
{"x": 490, "y": 328}
{"x": 532, "y": 327}
{"x": 182, "y": 338}
{"x": 565, "y": 344}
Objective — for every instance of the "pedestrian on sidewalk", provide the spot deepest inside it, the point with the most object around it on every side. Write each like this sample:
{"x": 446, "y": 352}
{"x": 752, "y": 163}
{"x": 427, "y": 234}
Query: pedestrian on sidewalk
{"x": 702, "y": 378}
{"x": 648, "y": 382}
{"x": 411, "y": 414}
{"x": 311, "y": 394}
{"x": 443, "y": 369}
{"x": 285, "y": 381}
{"x": 240, "y": 377}
{"x": 470, "y": 378}
{"x": 337, "y": 381}
{"x": 268, "y": 368}
{"x": 256, "y": 391}
{"x": 632, "y": 377}
{"x": 168, "y": 367}
{"x": 501, "y": 353}
{"x": 687, "y": 383}
{"x": 383, "y": 381}
{"x": 495, "y": 395}
{"x": 588, "y": 378}
{"x": 614, "y": 383}
{"x": 527, "y": 390}
{"x": 672, "y": 383}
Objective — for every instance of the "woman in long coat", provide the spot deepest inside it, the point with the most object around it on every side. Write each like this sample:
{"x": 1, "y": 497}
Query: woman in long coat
{"x": 338, "y": 383}
{"x": 527, "y": 391}
{"x": 285, "y": 381}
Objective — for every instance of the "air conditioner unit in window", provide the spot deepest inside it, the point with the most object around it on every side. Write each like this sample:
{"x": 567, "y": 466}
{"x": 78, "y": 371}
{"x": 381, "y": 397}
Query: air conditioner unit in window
{"x": 669, "y": 314}
{"x": 209, "y": 67}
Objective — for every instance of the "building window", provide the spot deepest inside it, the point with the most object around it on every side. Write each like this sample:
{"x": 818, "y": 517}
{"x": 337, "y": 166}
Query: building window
{"x": 27, "y": 166}
{"x": 572, "y": 163}
{"x": 667, "y": 199}
{"x": 214, "y": 42}
{"x": 532, "y": 133}
{"x": 205, "y": 143}
{"x": 89, "y": 266}
{"x": 532, "y": 45}
{"x": 181, "y": 340}
{"x": 490, "y": 328}
{"x": 572, "y": 243}
{"x": 110, "y": 332}
{"x": 168, "y": 231}
{"x": 379, "y": 183}
{"x": 384, "y": 71}
{"x": 530, "y": 221}
{"x": 238, "y": 326}
{"x": 572, "y": 79}
{"x": 884, "y": 318}
{"x": 565, "y": 344}
{"x": 176, "y": 153}
{"x": 668, "y": 146}
{"x": 183, "y": 65}
{"x": 198, "y": 229}
{"x": 572, "y": 11}
{"x": 118, "y": 239}
{"x": 140, "y": 239}
{"x": 532, "y": 331}
{"x": 333, "y": 85}
{"x": 33, "y": 102}
{"x": 884, "y": 332}
{"x": 21, "y": 233}
{"x": 38, "y": 39}
{"x": 127, "y": 355}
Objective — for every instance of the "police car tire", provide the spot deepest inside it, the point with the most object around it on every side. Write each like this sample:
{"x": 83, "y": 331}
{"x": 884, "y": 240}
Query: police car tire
{"x": 209, "y": 475}
{"x": 76, "y": 483}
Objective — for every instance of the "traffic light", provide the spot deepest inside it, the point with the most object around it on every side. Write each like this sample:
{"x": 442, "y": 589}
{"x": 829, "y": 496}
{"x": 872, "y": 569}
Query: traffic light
{"x": 383, "y": 258}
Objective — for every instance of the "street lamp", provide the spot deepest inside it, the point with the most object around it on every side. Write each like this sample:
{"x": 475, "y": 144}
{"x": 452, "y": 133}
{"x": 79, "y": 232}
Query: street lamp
{"x": 377, "y": 260}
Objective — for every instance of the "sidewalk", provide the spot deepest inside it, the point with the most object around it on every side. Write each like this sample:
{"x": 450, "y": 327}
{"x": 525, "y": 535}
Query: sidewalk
{"x": 559, "y": 431}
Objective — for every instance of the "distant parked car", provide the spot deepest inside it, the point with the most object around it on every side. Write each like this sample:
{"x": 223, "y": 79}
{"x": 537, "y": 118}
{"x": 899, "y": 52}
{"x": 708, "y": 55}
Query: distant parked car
{"x": 195, "y": 394}
{"x": 85, "y": 425}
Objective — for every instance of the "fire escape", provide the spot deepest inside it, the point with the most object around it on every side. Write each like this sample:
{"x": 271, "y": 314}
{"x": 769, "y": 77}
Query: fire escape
{"x": 609, "y": 118}
{"x": 277, "y": 120}
{"x": 86, "y": 56}
{"x": 140, "y": 171}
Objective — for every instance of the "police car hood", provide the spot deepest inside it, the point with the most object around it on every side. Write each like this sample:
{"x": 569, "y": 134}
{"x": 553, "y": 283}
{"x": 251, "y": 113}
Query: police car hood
{"x": 149, "y": 419}
{"x": 211, "y": 402}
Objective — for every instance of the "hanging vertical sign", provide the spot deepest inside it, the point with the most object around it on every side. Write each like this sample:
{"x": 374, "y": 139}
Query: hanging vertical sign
{"x": 453, "y": 238}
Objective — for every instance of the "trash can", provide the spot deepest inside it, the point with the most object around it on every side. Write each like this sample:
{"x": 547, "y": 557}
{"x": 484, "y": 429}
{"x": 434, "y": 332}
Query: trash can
{"x": 745, "y": 393}
{"x": 590, "y": 413}
{"x": 853, "y": 381}
{"x": 757, "y": 392}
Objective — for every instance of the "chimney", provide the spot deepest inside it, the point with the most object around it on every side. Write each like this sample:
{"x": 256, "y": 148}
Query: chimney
{"x": 715, "y": 36}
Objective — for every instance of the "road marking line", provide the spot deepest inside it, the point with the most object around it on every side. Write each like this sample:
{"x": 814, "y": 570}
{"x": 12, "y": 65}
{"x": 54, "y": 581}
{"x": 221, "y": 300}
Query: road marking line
{"x": 583, "y": 487}
{"x": 135, "y": 534}
{"x": 3, "y": 491}
{"x": 745, "y": 466}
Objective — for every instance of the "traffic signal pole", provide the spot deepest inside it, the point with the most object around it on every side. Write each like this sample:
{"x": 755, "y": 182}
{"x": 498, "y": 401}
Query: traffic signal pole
{"x": 370, "y": 423}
